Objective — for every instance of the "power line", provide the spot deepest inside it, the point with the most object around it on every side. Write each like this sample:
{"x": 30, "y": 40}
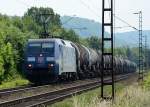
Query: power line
{"x": 115, "y": 17}
{"x": 89, "y": 8}
{"x": 125, "y": 22}
{"x": 68, "y": 20}
{"x": 94, "y": 5}
{"x": 121, "y": 27}
{"x": 118, "y": 18}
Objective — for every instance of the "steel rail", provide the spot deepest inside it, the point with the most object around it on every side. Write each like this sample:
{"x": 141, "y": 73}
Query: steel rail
{"x": 54, "y": 96}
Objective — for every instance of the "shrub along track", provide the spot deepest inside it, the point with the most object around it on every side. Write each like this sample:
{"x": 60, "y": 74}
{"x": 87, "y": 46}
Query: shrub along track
{"x": 48, "y": 94}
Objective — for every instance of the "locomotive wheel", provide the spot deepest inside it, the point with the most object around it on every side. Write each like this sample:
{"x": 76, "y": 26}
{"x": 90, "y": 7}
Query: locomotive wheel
{"x": 74, "y": 77}
{"x": 81, "y": 75}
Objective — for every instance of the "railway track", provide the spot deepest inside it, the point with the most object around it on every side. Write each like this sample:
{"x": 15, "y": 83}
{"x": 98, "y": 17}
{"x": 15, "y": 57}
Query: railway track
{"x": 20, "y": 92}
{"x": 50, "y": 97}
{"x": 17, "y": 88}
{"x": 6, "y": 93}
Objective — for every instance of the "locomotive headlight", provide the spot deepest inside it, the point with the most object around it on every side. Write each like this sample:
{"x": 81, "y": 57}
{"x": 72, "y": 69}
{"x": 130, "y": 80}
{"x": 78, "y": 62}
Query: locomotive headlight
{"x": 31, "y": 59}
{"x": 30, "y": 65}
{"x": 50, "y": 65}
{"x": 49, "y": 58}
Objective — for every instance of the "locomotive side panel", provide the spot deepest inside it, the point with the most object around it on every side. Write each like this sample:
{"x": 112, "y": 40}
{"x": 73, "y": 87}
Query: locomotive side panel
{"x": 68, "y": 60}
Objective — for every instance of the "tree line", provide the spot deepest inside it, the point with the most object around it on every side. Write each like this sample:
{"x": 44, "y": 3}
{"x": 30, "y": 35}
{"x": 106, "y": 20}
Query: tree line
{"x": 15, "y": 31}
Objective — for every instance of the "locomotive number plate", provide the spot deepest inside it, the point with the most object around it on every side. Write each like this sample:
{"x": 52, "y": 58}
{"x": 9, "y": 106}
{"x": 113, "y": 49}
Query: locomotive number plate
{"x": 40, "y": 59}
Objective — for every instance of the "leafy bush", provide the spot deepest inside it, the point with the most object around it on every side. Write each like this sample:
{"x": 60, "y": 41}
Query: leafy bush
{"x": 15, "y": 31}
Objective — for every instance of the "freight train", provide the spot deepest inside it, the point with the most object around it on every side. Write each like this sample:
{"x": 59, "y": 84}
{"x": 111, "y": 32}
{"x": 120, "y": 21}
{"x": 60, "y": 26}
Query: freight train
{"x": 55, "y": 59}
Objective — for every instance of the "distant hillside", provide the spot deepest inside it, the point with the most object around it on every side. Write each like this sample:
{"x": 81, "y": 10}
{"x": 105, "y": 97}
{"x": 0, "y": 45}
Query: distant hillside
{"x": 94, "y": 28}
{"x": 131, "y": 38}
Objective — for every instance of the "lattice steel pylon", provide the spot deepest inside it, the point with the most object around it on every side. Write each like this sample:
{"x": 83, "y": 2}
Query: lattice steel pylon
{"x": 146, "y": 55}
{"x": 141, "y": 55}
{"x": 105, "y": 52}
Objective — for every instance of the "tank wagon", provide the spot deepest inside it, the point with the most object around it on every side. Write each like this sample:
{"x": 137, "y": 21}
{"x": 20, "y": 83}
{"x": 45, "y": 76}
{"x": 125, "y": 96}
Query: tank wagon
{"x": 53, "y": 59}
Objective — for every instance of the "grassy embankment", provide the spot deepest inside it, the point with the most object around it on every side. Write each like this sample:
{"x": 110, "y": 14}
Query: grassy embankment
{"x": 128, "y": 96}
{"x": 18, "y": 81}
{"x": 88, "y": 99}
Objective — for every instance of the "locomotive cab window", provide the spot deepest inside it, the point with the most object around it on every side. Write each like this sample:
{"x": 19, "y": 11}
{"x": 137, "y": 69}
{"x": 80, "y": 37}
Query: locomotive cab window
{"x": 48, "y": 48}
{"x": 34, "y": 47}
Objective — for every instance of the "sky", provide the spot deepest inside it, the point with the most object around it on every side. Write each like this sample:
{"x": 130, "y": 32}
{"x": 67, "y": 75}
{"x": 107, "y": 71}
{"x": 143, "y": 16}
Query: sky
{"x": 91, "y": 9}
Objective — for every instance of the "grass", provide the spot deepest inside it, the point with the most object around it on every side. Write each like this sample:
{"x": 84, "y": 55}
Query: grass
{"x": 132, "y": 96}
{"x": 86, "y": 97}
{"x": 127, "y": 96}
{"x": 84, "y": 100}
{"x": 14, "y": 83}
{"x": 146, "y": 82}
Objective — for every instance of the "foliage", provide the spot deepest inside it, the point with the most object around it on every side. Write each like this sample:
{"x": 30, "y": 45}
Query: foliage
{"x": 130, "y": 96}
{"x": 36, "y": 14}
{"x": 83, "y": 100}
{"x": 15, "y": 31}
{"x": 34, "y": 20}
{"x": 88, "y": 99}
{"x": 94, "y": 42}
{"x": 146, "y": 82}
{"x": 12, "y": 42}
{"x": 15, "y": 83}
{"x": 128, "y": 53}
{"x": 148, "y": 57}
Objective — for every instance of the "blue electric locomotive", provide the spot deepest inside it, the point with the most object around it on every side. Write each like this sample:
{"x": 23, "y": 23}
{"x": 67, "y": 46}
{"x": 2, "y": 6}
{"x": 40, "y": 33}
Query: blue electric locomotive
{"x": 47, "y": 59}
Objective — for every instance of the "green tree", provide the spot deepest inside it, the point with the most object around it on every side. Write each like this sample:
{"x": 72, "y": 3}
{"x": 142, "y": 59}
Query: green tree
{"x": 94, "y": 42}
{"x": 37, "y": 16}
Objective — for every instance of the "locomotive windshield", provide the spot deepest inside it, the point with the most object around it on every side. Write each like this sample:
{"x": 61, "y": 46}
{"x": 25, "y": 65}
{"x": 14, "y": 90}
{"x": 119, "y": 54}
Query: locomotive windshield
{"x": 48, "y": 48}
{"x": 34, "y": 47}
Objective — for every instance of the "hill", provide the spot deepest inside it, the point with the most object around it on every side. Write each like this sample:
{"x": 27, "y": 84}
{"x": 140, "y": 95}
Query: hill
{"x": 94, "y": 28}
{"x": 90, "y": 27}
{"x": 131, "y": 38}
